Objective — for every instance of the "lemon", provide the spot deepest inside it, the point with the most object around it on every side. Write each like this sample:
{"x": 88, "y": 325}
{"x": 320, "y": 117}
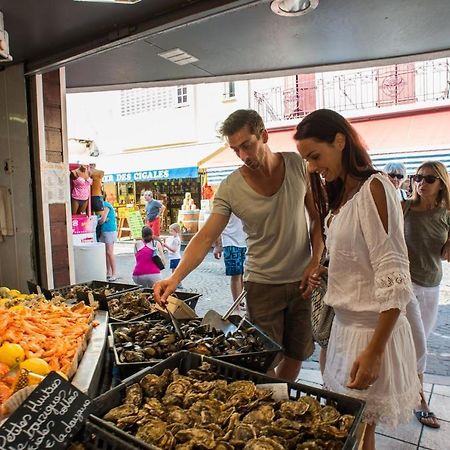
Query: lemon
{"x": 17, "y": 308}
{"x": 14, "y": 293}
{"x": 62, "y": 374}
{"x": 36, "y": 365}
{"x": 11, "y": 354}
{"x": 34, "y": 378}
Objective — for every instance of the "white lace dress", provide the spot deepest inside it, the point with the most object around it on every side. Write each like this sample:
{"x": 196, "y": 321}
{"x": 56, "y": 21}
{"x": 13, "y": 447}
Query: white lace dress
{"x": 369, "y": 273}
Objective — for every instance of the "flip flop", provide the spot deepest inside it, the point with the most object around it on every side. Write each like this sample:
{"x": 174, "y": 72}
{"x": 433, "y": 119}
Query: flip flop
{"x": 421, "y": 415}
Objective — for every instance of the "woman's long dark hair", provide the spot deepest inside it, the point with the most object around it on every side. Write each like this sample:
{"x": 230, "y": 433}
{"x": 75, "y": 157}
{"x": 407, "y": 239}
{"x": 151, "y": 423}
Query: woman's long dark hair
{"x": 147, "y": 234}
{"x": 323, "y": 125}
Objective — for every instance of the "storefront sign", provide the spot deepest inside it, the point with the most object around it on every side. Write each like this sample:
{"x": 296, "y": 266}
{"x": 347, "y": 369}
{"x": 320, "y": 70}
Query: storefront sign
{"x": 162, "y": 174}
{"x": 48, "y": 418}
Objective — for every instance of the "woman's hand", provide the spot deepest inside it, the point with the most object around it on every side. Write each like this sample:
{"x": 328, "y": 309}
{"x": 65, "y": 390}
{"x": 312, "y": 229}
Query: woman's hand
{"x": 305, "y": 287}
{"x": 365, "y": 370}
{"x": 315, "y": 277}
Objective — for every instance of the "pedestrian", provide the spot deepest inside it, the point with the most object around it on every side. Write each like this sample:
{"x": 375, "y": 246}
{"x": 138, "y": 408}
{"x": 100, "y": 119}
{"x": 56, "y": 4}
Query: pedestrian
{"x": 232, "y": 243}
{"x": 146, "y": 272}
{"x": 397, "y": 172}
{"x": 96, "y": 194}
{"x": 153, "y": 213}
{"x": 173, "y": 245}
{"x": 427, "y": 227}
{"x": 269, "y": 193}
{"x": 370, "y": 352}
{"x": 108, "y": 235}
{"x": 81, "y": 184}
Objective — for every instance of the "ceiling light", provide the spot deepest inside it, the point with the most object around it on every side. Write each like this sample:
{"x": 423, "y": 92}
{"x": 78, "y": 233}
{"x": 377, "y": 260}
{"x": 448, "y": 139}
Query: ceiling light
{"x": 293, "y": 7}
{"x": 125, "y": 2}
{"x": 178, "y": 56}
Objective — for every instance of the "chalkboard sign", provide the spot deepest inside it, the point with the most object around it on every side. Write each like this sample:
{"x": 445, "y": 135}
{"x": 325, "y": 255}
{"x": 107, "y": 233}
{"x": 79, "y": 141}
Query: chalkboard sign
{"x": 48, "y": 418}
{"x": 135, "y": 223}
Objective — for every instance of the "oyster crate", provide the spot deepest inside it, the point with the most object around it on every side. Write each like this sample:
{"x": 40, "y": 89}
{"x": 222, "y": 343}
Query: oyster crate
{"x": 258, "y": 361}
{"x": 189, "y": 298}
{"x": 100, "y": 434}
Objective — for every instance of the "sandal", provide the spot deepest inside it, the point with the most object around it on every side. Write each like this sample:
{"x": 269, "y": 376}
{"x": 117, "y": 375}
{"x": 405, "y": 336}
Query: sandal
{"x": 422, "y": 417}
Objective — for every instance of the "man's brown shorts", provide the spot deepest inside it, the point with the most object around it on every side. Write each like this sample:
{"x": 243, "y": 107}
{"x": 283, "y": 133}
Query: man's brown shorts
{"x": 282, "y": 312}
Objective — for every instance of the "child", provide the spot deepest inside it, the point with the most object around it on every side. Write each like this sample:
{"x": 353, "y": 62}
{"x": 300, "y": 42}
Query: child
{"x": 146, "y": 272}
{"x": 173, "y": 244}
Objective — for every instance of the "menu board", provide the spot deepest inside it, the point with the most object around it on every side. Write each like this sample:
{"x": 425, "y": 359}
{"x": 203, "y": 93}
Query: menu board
{"x": 135, "y": 223}
{"x": 48, "y": 419}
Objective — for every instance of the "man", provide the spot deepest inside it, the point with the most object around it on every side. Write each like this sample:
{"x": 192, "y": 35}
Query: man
{"x": 232, "y": 243}
{"x": 269, "y": 194}
{"x": 153, "y": 212}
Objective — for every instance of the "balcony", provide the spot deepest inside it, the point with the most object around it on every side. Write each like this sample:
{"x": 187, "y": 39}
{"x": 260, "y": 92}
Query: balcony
{"x": 357, "y": 92}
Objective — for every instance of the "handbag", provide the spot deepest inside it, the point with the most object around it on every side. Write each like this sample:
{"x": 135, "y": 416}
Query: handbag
{"x": 322, "y": 315}
{"x": 157, "y": 258}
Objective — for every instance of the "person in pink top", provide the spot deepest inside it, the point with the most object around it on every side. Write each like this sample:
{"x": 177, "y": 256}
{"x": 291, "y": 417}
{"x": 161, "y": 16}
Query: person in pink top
{"x": 81, "y": 189}
{"x": 146, "y": 272}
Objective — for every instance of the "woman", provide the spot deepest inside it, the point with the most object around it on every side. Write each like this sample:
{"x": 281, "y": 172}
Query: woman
{"x": 146, "y": 272}
{"x": 397, "y": 173}
{"x": 81, "y": 188}
{"x": 370, "y": 352}
{"x": 427, "y": 226}
{"x": 108, "y": 235}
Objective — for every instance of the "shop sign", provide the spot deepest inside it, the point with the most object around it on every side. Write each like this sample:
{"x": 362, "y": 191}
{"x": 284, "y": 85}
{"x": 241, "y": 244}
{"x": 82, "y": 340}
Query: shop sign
{"x": 147, "y": 175}
{"x": 53, "y": 413}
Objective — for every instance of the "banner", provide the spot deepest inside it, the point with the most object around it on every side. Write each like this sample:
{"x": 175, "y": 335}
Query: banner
{"x": 147, "y": 175}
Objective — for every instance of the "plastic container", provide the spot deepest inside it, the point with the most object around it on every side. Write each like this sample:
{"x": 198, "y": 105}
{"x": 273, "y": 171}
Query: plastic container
{"x": 257, "y": 361}
{"x": 89, "y": 262}
{"x": 101, "y": 434}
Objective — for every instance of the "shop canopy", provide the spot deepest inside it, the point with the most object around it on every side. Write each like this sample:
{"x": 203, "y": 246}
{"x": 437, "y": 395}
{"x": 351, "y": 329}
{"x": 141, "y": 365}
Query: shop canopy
{"x": 154, "y": 164}
{"x": 411, "y": 139}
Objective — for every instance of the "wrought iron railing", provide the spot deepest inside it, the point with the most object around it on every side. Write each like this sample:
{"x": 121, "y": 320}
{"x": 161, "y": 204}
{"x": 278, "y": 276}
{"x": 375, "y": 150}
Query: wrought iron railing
{"x": 355, "y": 90}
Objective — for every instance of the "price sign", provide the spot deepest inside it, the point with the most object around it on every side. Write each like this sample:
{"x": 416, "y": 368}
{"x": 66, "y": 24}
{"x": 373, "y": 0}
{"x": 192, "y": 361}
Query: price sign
{"x": 48, "y": 418}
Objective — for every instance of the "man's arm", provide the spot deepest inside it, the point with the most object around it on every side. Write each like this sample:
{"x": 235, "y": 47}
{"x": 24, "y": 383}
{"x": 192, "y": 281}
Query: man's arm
{"x": 317, "y": 245}
{"x": 193, "y": 255}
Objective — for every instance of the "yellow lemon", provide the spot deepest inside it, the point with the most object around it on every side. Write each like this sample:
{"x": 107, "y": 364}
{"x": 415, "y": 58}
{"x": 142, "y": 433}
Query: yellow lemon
{"x": 17, "y": 308}
{"x": 11, "y": 354}
{"x": 36, "y": 365}
{"x": 62, "y": 374}
{"x": 34, "y": 378}
{"x": 14, "y": 293}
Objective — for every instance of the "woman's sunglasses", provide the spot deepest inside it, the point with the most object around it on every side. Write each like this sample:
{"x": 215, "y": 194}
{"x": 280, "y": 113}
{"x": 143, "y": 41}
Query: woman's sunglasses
{"x": 399, "y": 176}
{"x": 430, "y": 179}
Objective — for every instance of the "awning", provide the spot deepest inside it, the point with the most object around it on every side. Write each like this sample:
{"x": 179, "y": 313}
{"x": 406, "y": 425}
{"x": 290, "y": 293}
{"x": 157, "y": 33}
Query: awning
{"x": 154, "y": 164}
{"x": 411, "y": 139}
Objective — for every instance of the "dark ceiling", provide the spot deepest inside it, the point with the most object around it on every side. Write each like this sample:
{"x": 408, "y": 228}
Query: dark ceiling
{"x": 112, "y": 46}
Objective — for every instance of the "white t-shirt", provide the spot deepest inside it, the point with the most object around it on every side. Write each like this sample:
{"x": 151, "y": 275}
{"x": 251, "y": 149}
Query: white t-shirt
{"x": 278, "y": 240}
{"x": 234, "y": 234}
{"x": 173, "y": 241}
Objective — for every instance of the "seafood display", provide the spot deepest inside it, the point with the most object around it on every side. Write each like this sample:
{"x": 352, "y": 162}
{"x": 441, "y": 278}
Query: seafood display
{"x": 147, "y": 341}
{"x": 131, "y": 306}
{"x": 200, "y": 411}
{"x": 37, "y": 336}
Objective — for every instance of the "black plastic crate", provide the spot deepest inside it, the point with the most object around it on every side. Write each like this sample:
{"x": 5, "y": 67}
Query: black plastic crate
{"x": 189, "y": 298}
{"x": 120, "y": 288}
{"x": 104, "y": 435}
{"x": 258, "y": 361}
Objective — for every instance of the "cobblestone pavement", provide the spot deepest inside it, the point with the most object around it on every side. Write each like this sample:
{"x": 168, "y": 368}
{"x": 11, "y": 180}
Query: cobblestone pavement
{"x": 209, "y": 279}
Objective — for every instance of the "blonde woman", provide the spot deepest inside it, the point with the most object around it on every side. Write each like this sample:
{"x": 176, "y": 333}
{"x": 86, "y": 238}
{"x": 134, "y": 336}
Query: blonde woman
{"x": 427, "y": 226}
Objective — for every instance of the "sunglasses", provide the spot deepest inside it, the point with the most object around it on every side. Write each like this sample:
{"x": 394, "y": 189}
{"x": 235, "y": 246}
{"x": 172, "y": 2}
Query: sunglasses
{"x": 430, "y": 179}
{"x": 399, "y": 176}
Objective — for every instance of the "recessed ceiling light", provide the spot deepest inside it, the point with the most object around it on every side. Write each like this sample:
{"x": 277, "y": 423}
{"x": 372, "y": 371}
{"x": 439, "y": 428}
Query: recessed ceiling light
{"x": 293, "y": 7}
{"x": 125, "y": 2}
{"x": 178, "y": 56}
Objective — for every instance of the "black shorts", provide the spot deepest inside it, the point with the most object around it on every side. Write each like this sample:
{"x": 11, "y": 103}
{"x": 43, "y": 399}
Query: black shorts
{"x": 97, "y": 203}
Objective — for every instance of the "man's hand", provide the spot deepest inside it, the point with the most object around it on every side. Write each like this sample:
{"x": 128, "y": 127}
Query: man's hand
{"x": 305, "y": 287}
{"x": 217, "y": 252}
{"x": 445, "y": 253}
{"x": 162, "y": 289}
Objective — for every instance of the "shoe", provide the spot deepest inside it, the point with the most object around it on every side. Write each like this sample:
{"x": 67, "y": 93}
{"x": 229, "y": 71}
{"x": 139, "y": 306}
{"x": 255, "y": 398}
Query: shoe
{"x": 112, "y": 278}
{"x": 427, "y": 418}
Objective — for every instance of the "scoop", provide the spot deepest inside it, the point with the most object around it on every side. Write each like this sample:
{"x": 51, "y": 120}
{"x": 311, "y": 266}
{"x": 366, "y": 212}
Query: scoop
{"x": 213, "y": 319}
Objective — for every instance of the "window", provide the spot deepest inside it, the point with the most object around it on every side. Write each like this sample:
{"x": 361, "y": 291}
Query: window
{"x": 142, "y": 100}
{"x": 182, "y": 96}
{"x": 229, "y": 90}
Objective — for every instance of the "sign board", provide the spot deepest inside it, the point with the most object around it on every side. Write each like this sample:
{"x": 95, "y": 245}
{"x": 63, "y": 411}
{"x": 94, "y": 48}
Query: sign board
{"x": 178, "y": 308}
{"x": 135, "y": 223}
{"x": 161, "y": 174}
{"x": 53, "y": 413}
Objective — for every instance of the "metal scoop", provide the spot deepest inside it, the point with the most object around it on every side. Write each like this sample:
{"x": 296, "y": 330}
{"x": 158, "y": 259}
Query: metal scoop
{"x": 213, "y": 319}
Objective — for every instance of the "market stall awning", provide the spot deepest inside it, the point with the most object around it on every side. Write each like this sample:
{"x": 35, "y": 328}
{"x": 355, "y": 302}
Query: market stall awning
{"x": 154, "y": 164}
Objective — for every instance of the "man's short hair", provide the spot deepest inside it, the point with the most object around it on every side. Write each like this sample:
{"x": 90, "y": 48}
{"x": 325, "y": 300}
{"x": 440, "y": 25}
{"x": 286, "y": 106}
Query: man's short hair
{"x": 241, "y": 118}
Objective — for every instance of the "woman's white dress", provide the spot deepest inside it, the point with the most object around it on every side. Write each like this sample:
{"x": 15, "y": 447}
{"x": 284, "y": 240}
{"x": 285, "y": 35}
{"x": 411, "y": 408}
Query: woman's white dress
{"x": 369, "y": 273}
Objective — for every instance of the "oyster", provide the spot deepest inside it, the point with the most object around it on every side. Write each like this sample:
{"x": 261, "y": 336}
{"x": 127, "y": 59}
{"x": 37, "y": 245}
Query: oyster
{"x": 119, "y": 412}
{"x": 205, "y": 411}
{"x": 134, "y": 395}
{"x": 241, "y": 434}
{"x": 154, "y": 385}
{"x": 314, "y": 405}
{"x": 263, "y": 443}
{"x": 346, "y": 422}
{"x": 175, "y": 414}
{"x": 263, "y": 415}
{"x": 245, "y": 388}
{"x": 292, "y": 410}
{"x": 152, "y": 431}
{"x": 329, "y": 414}
{"x": 199, "y": 437}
